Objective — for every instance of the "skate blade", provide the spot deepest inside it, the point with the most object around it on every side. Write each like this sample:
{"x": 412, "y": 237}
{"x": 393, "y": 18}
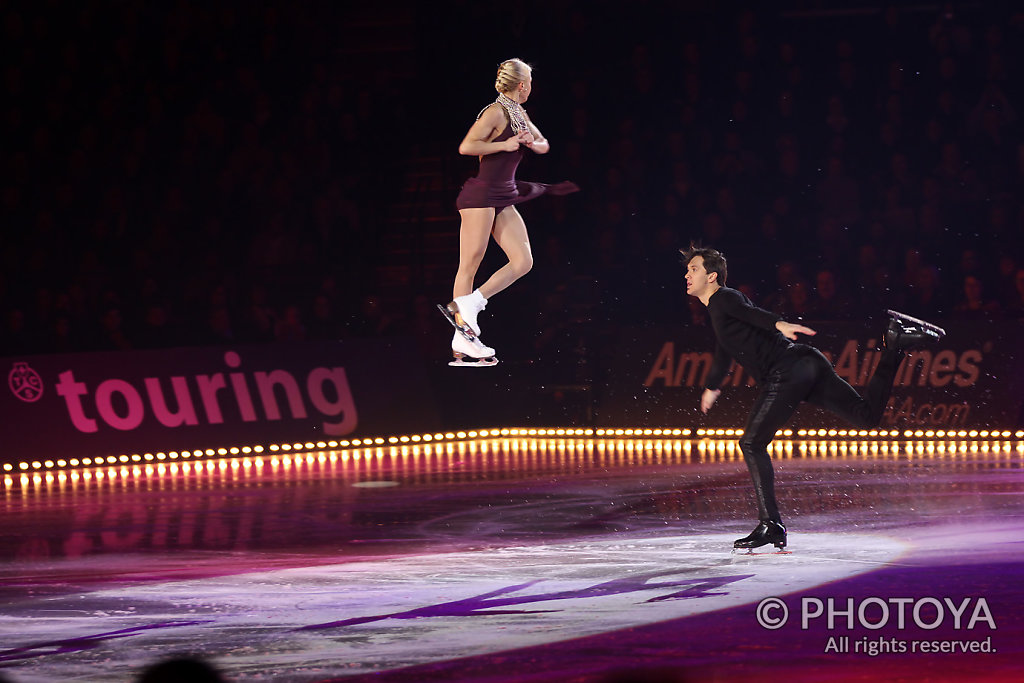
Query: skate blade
{"x": 455, "y": 320}
{"x": 475, "y": 363}
{"x": 750, "y": 551}
{"x": 923, "y": 323}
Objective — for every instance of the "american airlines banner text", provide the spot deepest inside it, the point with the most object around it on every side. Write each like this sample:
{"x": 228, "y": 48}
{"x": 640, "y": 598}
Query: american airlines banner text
{"x": 974, "y": 379}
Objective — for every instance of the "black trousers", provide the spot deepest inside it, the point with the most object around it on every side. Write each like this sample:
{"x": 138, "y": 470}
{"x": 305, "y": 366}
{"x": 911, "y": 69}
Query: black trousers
{"x": 804, "y": 374}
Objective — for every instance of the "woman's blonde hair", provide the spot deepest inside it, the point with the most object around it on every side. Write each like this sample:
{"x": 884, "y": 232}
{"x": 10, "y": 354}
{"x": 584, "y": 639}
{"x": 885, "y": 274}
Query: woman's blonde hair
{"x": 511, "y": 73}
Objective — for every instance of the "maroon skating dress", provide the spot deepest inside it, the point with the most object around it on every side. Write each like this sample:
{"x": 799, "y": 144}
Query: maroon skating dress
{"x": 495, "y": 185}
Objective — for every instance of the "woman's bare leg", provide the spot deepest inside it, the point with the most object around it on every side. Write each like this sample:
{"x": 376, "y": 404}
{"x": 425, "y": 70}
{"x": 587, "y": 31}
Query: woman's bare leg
{"x": 510, "y": 234}
{"x": 473, "y": 237}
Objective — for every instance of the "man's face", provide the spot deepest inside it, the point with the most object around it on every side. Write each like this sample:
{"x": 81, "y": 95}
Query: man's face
{"x": 697, "y": 279}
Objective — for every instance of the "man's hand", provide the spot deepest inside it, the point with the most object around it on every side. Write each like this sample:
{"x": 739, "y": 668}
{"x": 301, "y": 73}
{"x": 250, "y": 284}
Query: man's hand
{"x": 790, "y": 330}
{"x": 708, "y": 398}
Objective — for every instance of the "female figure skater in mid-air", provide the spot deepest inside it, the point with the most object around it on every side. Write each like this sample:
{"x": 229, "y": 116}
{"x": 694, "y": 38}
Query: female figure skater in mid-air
{"x": 499, "y": 136}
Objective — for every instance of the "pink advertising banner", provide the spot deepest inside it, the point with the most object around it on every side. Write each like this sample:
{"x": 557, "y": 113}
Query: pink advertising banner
{"x": 91, "y": 404}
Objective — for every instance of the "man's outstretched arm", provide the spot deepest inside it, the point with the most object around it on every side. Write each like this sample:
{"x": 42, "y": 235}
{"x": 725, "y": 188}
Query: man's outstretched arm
{"x": 790, "y": 330}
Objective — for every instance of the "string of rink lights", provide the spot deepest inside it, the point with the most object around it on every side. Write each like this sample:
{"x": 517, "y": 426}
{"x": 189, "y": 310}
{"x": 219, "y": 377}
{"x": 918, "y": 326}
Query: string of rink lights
{"x": 348, "y": 445}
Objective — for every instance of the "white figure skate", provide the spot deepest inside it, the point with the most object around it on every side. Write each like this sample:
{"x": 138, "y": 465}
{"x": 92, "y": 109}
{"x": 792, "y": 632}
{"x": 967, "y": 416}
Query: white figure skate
{"x": 471, "y": 353}
{"x": 463, "y": 311}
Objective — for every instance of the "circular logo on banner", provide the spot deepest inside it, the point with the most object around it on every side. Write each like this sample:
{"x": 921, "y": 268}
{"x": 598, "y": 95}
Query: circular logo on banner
{"x": 25, "y": 383}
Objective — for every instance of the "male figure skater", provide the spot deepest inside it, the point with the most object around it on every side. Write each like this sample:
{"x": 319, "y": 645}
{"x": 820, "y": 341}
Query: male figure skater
{"x": 786, "y": 373}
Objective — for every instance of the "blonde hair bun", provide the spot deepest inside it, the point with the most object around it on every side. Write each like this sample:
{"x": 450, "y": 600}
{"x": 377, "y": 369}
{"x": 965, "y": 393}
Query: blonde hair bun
{"x": 511, "y": 73}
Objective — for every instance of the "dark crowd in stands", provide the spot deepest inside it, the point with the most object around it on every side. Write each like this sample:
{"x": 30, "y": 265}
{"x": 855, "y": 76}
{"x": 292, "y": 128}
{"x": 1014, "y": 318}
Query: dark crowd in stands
{"x": 187, "y": 173}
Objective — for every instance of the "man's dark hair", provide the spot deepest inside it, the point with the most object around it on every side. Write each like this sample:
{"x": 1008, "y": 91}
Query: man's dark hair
{"x": 714, "y": 261}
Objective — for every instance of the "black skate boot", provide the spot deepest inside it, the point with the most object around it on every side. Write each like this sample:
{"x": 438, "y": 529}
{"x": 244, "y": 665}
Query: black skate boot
{"x": 906, "y": 333}
{"x": 766, "y": 532}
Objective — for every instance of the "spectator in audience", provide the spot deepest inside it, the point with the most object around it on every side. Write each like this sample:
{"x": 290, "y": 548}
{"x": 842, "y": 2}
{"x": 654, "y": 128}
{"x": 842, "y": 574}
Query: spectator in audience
{"x": 973, "y": 303}
{"x": 180, "y": 669}
{"x": 828, "y": 302}
{"x": 1015, "y": 302}
{"x": 924, "y": 295}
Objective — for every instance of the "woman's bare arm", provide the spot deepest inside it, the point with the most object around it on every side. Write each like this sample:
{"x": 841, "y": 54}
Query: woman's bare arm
{"x": 540, "y": 144}
{"x": 489, "y": 125}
